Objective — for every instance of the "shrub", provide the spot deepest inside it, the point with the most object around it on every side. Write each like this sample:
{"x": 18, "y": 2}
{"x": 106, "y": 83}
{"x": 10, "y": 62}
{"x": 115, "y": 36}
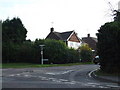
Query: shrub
{"x": 86, "y": 54}
{"x": 55, "y": 51}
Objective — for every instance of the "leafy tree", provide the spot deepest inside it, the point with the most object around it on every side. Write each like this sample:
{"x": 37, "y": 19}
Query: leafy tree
{"x": 13, "y": 31}
{"x": 13, "y": 35}
{"x": 108, "y": 46}
{"x": 86, "y": 54}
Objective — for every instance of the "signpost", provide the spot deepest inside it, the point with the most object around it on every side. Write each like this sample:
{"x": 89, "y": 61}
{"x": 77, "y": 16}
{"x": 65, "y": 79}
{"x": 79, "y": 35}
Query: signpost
{"x": 45, "y": 59}
{"x": 41, "y": 53}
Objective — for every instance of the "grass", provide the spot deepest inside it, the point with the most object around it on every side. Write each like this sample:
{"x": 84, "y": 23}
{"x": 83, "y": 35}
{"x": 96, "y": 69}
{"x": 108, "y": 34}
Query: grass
{"x": 29, "y": 65}
{"x": 101, "y": 73}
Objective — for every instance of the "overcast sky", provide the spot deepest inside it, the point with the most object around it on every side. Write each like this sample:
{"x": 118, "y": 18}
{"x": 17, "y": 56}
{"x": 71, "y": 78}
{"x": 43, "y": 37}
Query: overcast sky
{"x": 83, "y": 16}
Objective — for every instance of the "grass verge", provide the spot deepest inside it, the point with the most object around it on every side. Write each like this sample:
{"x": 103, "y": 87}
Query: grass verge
{"x": 101, "y": 73}
{"x": 28, "y": 65}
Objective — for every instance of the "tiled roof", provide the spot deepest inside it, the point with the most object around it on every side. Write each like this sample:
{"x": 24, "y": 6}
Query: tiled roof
{"x": 65, "y": 35}
{"x": 59, "y": 36}
{"x": 95, "y": 39}
{"x": 91, "y": 41}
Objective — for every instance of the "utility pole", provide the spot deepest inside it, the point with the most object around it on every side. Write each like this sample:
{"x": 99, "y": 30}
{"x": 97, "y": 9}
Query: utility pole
{"x": 41, "y": 46}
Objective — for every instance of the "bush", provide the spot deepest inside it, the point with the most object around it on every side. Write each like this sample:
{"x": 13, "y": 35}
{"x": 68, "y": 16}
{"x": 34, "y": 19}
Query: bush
{"x": 72, "y": 56}
{"x": 86, "y": 54}
{"x": 56, "y": 51}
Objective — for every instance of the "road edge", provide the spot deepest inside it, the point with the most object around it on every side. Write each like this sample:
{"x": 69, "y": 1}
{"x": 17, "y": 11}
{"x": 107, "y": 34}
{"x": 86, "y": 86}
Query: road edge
{"x": 93, "y": 75}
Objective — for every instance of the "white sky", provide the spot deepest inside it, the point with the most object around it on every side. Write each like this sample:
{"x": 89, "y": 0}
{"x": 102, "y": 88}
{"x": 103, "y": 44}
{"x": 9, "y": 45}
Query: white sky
{"x": 83, "y": 16}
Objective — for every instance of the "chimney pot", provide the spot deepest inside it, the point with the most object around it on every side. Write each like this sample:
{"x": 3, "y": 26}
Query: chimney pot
{"x": 88, "y": 35}
{"x": 52, "y": 29}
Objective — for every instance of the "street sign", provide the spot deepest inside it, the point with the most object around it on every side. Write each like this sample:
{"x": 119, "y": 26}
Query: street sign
{"x": 45, "y": 59}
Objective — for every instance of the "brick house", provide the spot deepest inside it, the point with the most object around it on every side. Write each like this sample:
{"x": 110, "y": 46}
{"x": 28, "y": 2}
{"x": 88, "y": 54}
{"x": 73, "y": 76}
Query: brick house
{"x": 70, "y": 38}
{"x": 91, "y": 41}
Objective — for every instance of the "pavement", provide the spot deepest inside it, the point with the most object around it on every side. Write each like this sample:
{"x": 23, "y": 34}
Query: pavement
{"x": 114, "y": 79}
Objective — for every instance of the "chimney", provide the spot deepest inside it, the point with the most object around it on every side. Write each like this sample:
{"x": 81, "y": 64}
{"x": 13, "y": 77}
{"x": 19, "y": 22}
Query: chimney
{"x": 51, "y": 29}
{"x": 88, "y": 35}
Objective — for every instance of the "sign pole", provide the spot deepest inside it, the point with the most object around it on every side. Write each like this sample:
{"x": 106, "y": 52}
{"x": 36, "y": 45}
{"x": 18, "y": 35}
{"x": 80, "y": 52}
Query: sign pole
{"x": 41, "y": 53}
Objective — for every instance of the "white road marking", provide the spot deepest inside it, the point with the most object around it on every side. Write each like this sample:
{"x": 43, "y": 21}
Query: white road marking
{"x": 51, "y": 73}
{"x": 18, "y": 74}
{"x": 102, "y": 87}
{"x": 113, "y": 86}
{"x": 11, "y": 75}
{"x": 93, "y": 83}
{"x": 91, "y": 72}
{"x": 44, "y": 78}
{"x": 67, "y": 71}
{"x": 64, "y": 80}
{"x": 99, "y": 84}
{"x": 51, "y": 78}
{"x": 57, "y": 73}
{"x": 72, "y": 82}
{"x": 27, "y": 75}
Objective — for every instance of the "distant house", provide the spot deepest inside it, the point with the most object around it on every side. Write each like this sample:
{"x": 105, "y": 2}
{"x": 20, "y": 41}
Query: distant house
{"x": 91, "y": 41}
{"x": 70, "y": 38}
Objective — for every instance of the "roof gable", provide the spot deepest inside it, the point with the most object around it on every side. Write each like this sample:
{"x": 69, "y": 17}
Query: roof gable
{"x": 74, "y": 38}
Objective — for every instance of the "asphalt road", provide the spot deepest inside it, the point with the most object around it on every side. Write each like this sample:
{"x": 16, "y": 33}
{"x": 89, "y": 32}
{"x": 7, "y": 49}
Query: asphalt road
{"x": 53, "y": 77}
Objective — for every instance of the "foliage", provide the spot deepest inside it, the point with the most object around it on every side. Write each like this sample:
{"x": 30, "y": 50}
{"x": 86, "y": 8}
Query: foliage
{"x": 108, "y": 46}
{"x": 18, "y": 52}
{"x": 13, "y": 35}
{"x": 72, "y": 55}
{"x": 86, "y": 54}
{"x": 7, "y": 52}
{"x": 26, "y": 53}
{"x": 16, "y": 48}
{"x": 57, "y": 52}
{"x": 13, "y": 31}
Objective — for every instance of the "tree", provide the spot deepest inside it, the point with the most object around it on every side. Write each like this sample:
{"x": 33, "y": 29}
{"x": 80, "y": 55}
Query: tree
{"x": 108, "y": 46}
{"x": 13, "y": 36}
{"x": 13, "y": 31}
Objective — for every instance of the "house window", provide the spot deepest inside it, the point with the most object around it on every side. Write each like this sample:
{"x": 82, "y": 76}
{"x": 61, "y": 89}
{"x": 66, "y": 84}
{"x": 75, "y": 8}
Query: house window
{"x": 71, "y": 44}
{"x": 76, "y": 45}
